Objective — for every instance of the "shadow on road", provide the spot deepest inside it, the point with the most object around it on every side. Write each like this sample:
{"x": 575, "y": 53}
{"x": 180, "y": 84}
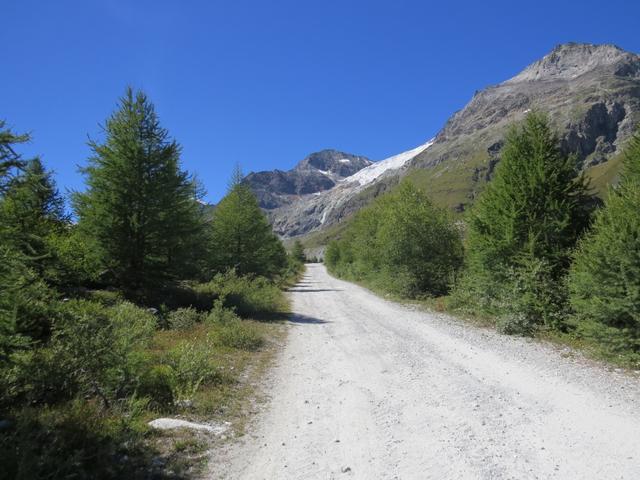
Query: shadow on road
{"x": 312, "y": 290}
{"x": 304, "y": 320}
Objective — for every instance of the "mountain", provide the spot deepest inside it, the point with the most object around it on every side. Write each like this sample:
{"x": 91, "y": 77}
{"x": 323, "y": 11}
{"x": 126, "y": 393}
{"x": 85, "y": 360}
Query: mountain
{"x": 591, "y": 94}
{"x": 318, "y": 172}
{"x": 321, "y": 190}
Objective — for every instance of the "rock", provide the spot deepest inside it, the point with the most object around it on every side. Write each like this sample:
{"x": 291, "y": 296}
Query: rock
{"x": 173, "y": 423}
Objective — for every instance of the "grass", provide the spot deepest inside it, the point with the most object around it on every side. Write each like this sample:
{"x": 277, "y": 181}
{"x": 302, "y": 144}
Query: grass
{"x": 67, "y": 423}
{"x": 242, "y": 352}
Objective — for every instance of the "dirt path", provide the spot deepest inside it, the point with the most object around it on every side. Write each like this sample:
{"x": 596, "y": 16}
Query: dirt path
{"x": 371, "y": 389}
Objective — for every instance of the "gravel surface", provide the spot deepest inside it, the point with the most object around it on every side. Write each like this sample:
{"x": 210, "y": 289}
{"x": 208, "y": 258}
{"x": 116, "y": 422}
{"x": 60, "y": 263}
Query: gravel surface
{"x": 371, "y": 389}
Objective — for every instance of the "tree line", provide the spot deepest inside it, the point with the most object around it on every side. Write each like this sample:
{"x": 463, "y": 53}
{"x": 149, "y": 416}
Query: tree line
{"x": 536, "y": 252}
{"x": 86, "y": 295}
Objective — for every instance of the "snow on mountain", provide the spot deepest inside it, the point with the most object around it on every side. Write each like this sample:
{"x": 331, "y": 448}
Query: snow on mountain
{"x": 372, "y": 172}
{"x": 303, "y": 213}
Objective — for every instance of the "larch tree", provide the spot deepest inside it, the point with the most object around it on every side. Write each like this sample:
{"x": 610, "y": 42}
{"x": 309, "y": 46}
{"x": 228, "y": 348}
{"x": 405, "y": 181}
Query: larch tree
{"x": 242, "y": 238}
{"x": 604, "y": 282}
{"x": 523, "y": 228}
{"x": 140, "y": 206}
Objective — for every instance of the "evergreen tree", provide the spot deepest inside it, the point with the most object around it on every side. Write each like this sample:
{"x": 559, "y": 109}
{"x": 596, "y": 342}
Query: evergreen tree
{"x": 242, "y": 238}
{"x": 297, "y": 252}
{"x": 140, "y": 207}
{"x": 30, "y": 211}
{"x": 604, "y": 281}
{"x": 401, "y": 242}
{"x": 524, "y": 225}
{"x": 10, "y": 161}
{"x": 420, "y": 248}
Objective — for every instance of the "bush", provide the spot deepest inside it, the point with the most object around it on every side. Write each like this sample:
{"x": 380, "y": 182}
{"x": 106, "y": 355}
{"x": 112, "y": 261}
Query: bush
{"x": 401, "y": 243}
{"x": 247, "y": 296}
{"x": 108, "y": 298}
{"x": 76, "y": 259}
{"x": 158, "y": 384}
{"x": 192, "y": 366}
{"x": 523, "y": 228}
{"x": 220, "y": 315}
{"x": 605, "y": 276}
{"x": 76, "y": 440}
{"x": 183, "y": 318}
{"x": 230, "y": 331}
{"x": 102, "y": 349}
{"x": 238, "y": 334}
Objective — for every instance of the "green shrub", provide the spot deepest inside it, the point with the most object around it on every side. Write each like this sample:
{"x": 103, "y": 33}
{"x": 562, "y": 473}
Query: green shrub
{"x": 238, "y": 334}
{"x": 183, "y": 318}
{"x": 192, "y": 366}
{"x": 247, "y": 296}
{"x": 523, "y": 228}
{"x": 102, "y": 349}
{"x": 74, "y": 440}
{"x": 76, "y": 259}
{"x": 605, "y": 276}
{"x": 401, "y": 243}
{"x": 158, "y": 384}
{"x": 220, "y": 315}
{"x": 108, "y": 298}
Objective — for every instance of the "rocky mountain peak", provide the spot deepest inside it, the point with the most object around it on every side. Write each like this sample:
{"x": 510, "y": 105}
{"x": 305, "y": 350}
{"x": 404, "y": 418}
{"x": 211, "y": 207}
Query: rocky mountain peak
{"x": 571, "y": 60}
{"x": 316, "y": 173}
{"x": 333, "y": 163}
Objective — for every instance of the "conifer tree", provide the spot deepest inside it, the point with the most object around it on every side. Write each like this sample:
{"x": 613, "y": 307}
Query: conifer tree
{"x": 297, "y": 251}
{"x": 31, "y": 210}
{"x": 10, "y": 161}
{"x": 140, "y": 206}
{"x": 401, "y": 242}
{"x": 524, "y": 225}
{"x": 604, "y": 281}
{"x": 242, "y": 238}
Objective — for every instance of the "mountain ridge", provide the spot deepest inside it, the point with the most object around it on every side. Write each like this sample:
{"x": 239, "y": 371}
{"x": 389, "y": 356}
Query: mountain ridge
{"x": 591, "y": 94}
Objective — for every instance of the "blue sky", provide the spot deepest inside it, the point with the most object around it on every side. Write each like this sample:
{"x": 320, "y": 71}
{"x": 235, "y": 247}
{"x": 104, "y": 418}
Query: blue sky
{"x": 264, "y": 83}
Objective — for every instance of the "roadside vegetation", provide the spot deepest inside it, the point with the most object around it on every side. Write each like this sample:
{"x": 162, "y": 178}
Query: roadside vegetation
{"x": 537, "y": 254}
{"x": 138, "y": 304}
{"x": 402, "y": 242}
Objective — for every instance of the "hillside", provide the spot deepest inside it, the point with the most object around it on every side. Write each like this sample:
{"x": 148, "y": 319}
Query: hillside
{"x": 590, "y": 92}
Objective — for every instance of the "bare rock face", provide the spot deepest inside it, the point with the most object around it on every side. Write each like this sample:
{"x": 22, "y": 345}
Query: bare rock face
{"x": 591, "y": 94}
{"x": 316, "y": 173}
{"x": 322, "y": 189}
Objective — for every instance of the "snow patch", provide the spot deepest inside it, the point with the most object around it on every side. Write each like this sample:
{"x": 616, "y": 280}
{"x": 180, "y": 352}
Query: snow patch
{"x": 370, "y": 173}
{"x": 344, "y": 160}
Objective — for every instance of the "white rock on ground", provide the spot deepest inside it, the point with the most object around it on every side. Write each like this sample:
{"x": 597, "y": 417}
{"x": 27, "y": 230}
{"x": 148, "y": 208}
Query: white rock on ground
{"x": 172, "y": 423}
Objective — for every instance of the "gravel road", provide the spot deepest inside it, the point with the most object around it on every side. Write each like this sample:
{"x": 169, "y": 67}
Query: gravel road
{"x": 370, "y": 389}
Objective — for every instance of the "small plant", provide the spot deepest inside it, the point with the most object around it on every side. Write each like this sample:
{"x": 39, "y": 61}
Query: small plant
{"x": 247, "y": 296}
{"x": 239, "y": 334}
{"x": 221, "y": 315}
{"x": 183, "y": 318}
{"x": 192, "y": 366}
